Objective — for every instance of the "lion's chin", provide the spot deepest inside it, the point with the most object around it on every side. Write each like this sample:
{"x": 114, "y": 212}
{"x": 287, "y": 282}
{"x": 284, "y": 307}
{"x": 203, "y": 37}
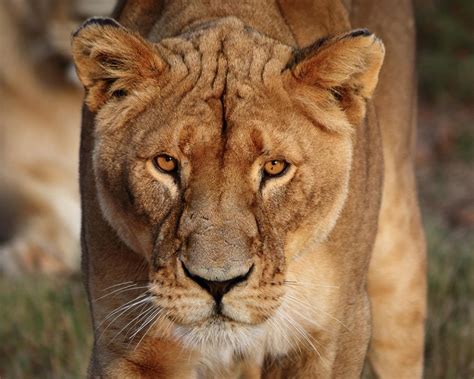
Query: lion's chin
{"x": 220, "y": 333}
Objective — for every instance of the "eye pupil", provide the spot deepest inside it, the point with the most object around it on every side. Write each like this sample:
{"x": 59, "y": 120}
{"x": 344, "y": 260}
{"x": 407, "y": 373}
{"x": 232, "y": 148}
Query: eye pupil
{"x": 166, "y": 163}
{"x": 275, "y": 167}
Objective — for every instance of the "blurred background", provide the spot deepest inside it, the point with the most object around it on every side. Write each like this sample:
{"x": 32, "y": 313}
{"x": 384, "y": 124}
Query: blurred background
{"x": 44, "y": 322}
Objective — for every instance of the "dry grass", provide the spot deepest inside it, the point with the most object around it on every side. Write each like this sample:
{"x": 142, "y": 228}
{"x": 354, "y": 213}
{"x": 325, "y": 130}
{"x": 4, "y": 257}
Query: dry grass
{"x": 45, "y": 329}
{"x": 450, "y": 328}
{"x": 44, "y": 323}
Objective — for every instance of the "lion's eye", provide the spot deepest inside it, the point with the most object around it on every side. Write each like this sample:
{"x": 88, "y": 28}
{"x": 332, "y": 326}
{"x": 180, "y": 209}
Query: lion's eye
{"x": 166, "y": 163}
{"x": 275, "y": 167}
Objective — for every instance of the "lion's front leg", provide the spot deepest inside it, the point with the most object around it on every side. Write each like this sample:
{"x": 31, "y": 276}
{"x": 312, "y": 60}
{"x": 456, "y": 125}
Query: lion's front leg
{"x": 153, "y": 358}
{"x": 296, "y": 366}
{"x": 397, "y": 285}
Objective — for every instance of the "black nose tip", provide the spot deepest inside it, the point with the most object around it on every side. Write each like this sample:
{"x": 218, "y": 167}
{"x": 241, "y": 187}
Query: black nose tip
{"x": 216, "y": 288}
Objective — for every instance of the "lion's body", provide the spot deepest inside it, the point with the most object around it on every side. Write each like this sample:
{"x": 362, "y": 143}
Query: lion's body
{"x": 305, "y": 311}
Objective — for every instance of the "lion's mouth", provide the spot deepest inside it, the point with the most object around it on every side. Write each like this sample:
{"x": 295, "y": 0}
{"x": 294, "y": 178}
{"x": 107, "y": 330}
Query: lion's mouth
{"x": 192, "y": 301}
{"x": 217, "y": 289}
{"x": 218, "y": 331}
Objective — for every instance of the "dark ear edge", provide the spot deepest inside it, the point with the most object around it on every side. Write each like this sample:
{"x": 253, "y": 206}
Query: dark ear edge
{"x": 102, "y": 21}
{"x": 112, "y": 61}
{"x": 306, "y": 52}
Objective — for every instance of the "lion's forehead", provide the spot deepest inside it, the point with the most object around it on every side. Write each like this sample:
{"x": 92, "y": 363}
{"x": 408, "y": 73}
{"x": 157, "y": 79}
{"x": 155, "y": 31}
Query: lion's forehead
{"x": 224, "y": 57}
{"x": 215, "y": 73}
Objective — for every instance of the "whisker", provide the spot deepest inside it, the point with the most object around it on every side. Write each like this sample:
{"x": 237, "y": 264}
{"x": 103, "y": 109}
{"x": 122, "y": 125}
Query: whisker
{"x": 307, "y": 285}
{"x": 145, "y": 323}
{"x": 140, "y": 315}
{"x": 307, "y": 337}
{"x": 314, "y": 309}
{"x": 284, "y": 333}
{"x": 327, "y": 314}
{"x": 124, "y": 283}
{"x": 121, "y": 307}
{"x": 303, "y": 316}
{"x": 288, "y": 322}
{"x": 158, "y": 318}
{"x": 122, "y": 310}
{"x": 120, "y": 290}
{"x": 144, "y": 316}
{"x": 117, "y": 285}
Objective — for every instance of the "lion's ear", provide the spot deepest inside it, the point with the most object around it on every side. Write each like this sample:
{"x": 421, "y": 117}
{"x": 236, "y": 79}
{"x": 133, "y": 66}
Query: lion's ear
{"x": 347, "y": 66}
{"x": 112, "y": 61}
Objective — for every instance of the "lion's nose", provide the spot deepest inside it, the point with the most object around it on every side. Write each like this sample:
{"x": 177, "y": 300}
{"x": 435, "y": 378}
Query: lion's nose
{"x": 217, "y": 288}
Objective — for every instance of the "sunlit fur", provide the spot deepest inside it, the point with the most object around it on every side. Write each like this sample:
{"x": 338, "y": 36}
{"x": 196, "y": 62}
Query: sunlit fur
{"x": 223, "y": 98}
{"x": 176, "y": 108}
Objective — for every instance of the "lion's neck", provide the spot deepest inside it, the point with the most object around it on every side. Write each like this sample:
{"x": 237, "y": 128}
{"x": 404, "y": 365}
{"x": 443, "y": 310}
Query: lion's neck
{"x": 262, "y": 15}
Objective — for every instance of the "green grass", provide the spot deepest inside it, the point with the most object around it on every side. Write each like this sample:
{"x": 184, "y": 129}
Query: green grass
{"x": 465, "y": 143}
{"x": 450, "y": 327}
{"x": 45, "y": 330}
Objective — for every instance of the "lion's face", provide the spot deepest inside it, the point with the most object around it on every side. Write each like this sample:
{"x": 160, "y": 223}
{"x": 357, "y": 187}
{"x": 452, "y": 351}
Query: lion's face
{"x": 220, "y": 156}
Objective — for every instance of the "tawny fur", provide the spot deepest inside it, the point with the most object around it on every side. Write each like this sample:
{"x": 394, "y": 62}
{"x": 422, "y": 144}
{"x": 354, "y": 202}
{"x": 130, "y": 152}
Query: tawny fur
{"x": 223, "y": 88}
{"x": 39, "y": 139}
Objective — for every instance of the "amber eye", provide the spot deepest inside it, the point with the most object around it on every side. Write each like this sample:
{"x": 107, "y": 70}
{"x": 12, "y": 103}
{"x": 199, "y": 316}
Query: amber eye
{"x": 275, "y": 167}
{"x": 166, "y": 163}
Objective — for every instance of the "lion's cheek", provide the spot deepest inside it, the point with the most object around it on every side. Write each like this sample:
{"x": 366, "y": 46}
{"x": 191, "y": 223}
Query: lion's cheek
{"x": 321, "y": 209}
{"x": 129, "y": 229}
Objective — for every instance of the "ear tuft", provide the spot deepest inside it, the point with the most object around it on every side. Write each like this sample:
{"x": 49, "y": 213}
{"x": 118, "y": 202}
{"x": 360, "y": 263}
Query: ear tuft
{"x": 112, "y": 61}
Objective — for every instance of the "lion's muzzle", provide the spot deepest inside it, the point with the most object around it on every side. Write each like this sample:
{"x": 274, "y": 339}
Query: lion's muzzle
{"x": 217, "y": 289}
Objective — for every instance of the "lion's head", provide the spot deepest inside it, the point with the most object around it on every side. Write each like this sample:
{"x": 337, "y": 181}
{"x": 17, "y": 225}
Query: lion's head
{"x": 220, "y": 156}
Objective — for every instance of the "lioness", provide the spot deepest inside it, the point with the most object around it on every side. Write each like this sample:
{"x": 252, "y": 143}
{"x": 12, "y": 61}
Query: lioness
{"x": 232, "y": 182}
